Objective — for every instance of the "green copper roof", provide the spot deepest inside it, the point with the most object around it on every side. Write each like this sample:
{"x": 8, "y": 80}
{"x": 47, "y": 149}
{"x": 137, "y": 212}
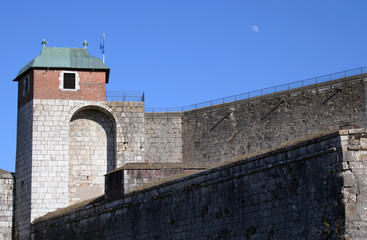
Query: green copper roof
{"x": 65, "y": 58}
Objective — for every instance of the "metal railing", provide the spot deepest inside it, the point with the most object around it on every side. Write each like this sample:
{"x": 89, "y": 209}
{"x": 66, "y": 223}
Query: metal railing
{"x": 265, "y": 91}
{"x": 126, "y": 96}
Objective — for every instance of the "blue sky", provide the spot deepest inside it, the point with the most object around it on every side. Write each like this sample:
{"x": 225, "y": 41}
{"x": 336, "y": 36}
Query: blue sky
{"x": 184, "y": 52}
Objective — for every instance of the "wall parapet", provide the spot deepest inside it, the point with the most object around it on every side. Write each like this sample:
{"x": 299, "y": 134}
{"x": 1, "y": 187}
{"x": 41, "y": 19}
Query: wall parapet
{"x": 271, "y": 91}
{"x": 125, "y": 96}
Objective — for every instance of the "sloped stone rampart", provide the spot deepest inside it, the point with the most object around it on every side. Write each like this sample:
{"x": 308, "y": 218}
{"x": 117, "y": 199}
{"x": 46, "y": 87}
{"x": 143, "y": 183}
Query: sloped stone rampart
{"x": 218, "y": 133}
{"x": 304, "y": 191}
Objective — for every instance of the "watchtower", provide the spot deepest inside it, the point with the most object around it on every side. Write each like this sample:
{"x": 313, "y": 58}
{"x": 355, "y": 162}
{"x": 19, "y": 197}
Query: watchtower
{"x": 66, "y": 134}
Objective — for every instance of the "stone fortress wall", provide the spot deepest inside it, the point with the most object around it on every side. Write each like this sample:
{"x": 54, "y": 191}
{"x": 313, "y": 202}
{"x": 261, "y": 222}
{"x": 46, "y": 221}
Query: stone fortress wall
{"x": 222, "y": 132}
{"x": 313, "y": 189}
{"x": 49, "y": 174}
{"x": 163, "y": 137}
{"x": 6, "y": 204}
{"x": 205, "y": 136}
{"x": 24, "y": 169}
{"x": 264, "y": 122}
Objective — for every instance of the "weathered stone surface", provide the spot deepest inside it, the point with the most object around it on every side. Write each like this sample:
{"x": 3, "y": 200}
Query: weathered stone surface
{"x": 6, "y": 204}
{"x": 23, "y": 171}
{"x": 46, "y": 170}
{"x": 296, "y": 192}
{"x": 47, "y": 173}
{"x": 257, "y": 123}
{"x": 91, "y": 154}
{"x": 354, "y": 187}
{"x": 163, "y": 132}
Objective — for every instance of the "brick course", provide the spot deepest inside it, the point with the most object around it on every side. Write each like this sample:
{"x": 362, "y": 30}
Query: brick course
{"x": 44, "y": 84}
{"x": 92, "y": 86}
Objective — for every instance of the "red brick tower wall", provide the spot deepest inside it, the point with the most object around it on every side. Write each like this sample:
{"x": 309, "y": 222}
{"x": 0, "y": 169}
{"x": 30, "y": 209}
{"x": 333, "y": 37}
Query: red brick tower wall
{"x": 44, "y": 84}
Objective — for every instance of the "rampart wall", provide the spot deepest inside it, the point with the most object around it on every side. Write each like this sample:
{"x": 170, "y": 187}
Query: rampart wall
{"x": 130, "y": 135}
{"x": 221, "y": 132}
{"x": 313, "y": 189}
{"x": 6, "y": 204}
{"x": 201, "y": 137}
{"x": 163, "y": 137}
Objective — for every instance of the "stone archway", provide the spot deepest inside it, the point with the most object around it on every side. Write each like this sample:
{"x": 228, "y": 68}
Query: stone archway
{"x": 91, "y": 153}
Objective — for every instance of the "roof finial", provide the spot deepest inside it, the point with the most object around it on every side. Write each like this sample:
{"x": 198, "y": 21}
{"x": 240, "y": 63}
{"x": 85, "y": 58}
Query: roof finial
{"x": 85, "y": 44}
{"x": 44, "y": 43}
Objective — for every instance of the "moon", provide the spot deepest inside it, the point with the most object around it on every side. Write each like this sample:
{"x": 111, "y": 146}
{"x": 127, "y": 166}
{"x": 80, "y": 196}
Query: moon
{"x": 255, "y": 28}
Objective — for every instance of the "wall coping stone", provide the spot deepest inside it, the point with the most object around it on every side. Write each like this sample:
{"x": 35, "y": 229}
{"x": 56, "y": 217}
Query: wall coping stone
{"x": 6, "y": 175}
{"x": 280, "y": 94}
{"x": 158, "y": 166}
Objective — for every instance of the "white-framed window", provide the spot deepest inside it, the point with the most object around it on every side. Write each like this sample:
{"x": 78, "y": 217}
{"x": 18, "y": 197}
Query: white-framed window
{"x": 69, "y": 81}
{"x": 26, "y": 85}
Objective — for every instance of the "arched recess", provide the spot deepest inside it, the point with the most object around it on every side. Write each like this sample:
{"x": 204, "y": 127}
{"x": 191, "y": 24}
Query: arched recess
{"x": 92, "y": 135}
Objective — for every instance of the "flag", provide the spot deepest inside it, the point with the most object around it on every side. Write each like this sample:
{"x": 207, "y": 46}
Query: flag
{"x": 101, "y": 44}
{"x": 101, "y": 47}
